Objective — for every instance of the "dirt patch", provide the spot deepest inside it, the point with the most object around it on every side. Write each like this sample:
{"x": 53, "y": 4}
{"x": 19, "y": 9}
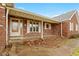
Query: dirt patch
{"x": 48, "y": 47}
{"x": 38, "y": 47}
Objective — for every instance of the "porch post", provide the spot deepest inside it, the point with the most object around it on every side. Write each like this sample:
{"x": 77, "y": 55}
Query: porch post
{"x": 42, "y": 30}
{"x": 61, "y": 29}
{"x": 7, "y": 26}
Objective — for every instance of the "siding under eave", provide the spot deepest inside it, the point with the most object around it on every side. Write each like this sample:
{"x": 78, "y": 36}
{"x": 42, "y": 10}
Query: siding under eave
{"x": 15, "y": 12}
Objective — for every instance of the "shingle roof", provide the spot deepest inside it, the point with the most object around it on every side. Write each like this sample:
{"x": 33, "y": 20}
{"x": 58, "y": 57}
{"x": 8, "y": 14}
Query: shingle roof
{"x": 65, "y": 16}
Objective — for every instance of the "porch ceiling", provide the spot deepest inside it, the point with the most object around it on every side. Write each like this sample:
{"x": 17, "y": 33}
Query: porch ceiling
{"x": 30, "y": 15}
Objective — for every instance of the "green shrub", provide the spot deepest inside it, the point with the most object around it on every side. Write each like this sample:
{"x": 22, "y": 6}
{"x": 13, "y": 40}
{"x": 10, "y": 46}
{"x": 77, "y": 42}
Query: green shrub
{"x": 74, "y": 36}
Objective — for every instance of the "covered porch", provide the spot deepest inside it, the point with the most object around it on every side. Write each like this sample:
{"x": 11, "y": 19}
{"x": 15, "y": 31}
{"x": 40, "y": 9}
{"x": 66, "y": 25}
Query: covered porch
{"x": 27, "y": 25}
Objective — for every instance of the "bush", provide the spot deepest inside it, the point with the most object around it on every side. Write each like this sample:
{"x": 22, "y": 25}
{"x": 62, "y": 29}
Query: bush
{"x": 74, "y": 36}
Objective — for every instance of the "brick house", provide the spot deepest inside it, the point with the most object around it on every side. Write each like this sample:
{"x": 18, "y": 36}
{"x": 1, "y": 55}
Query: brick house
{"x": 16, "y": 24}
{"x": 69, "y": 23}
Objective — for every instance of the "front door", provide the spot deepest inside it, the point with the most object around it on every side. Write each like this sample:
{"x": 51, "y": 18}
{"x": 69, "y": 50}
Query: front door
{"x": 15, "y": 27}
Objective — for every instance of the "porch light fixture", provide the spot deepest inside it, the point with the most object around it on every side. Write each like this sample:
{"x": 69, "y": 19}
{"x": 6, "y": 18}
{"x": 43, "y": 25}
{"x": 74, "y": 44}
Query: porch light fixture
{"x": 1, "y": 25}
{"x": 3, "y": 16}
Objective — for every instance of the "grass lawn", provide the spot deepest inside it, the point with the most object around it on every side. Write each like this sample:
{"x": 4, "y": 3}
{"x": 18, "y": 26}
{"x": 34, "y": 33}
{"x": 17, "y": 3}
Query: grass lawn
{"x": 75, "y": 52}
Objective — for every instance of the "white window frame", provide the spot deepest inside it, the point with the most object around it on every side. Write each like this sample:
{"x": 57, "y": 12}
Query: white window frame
{"x": 71, "y": 26}
{"x": 76, "y": 27}
{"x": 28, "y": 26}
{"x": 48, "y": 25}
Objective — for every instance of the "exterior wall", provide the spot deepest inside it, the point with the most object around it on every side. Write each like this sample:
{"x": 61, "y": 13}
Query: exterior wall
{"x": 2, "y": 28}
{"x": 31, "y": 34}
{"x": 74, "y": 21}
{"x": 36, "y": 34}
{"x": 52, "y": 31}
{"x": 65, "y": 28}
{"x": 14, "y": 18}
{"x": 47, "y": 31}
{"x": 24, "y": 27}
{"x": 9, "y": 25}
{"x": 56, "y": 29}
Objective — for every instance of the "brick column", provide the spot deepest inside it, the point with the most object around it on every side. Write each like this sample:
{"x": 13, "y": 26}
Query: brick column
{"x": 2, "y": 28}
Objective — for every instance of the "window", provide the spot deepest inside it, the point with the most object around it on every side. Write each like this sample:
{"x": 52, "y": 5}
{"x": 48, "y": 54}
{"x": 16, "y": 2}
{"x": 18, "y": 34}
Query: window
{"x": 76, "y": 27}
{"x": 3, "y": 4}
{"x": 15, "y": 26}
{"x": 31, "y": 26}
{"x": 47, "y": 26}
{"x": 37, "y": 26}
{"x": 34, "y": 26}
{"x": 71, "y": 26}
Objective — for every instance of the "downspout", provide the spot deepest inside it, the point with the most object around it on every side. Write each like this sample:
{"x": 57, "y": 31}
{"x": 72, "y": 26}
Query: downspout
{"x": 7, "y": 11}
{"x": 61, "y": 31}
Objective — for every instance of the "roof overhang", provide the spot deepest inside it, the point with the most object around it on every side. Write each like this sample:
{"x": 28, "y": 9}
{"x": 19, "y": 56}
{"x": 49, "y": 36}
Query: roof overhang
{"x": 26, "y": 14}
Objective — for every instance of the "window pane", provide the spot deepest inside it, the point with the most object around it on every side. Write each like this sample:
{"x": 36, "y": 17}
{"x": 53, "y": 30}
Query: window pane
{"x": 71, "y": 26}
{"x": 76, "y": 27}
{"x": 34, "y": 26}
{"x": 37, "y": 27}
{"x": 31, "y": 29}
{"x": 15, "y": 26}
{"x": 31, "y": 26}
{"x": 47, "y": 26}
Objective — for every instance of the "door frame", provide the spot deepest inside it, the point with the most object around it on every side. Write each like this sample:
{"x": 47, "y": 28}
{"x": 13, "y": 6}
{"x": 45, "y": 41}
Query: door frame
{"x": 19, "y": 30}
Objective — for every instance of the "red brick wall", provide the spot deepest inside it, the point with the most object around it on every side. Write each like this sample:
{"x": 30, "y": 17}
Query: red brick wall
{"x": 24, "y": 27}
{"x": 65, "y": 27}
{"x": 2, "y": 28}
{"x": 74, "y": 21}
{"x": 51, "y": 31}
{"x": 9, "y": 26}
{"x": 32, "y": 34}
{"x": 55, "y": 29}
{"x": 47, "y": 31}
